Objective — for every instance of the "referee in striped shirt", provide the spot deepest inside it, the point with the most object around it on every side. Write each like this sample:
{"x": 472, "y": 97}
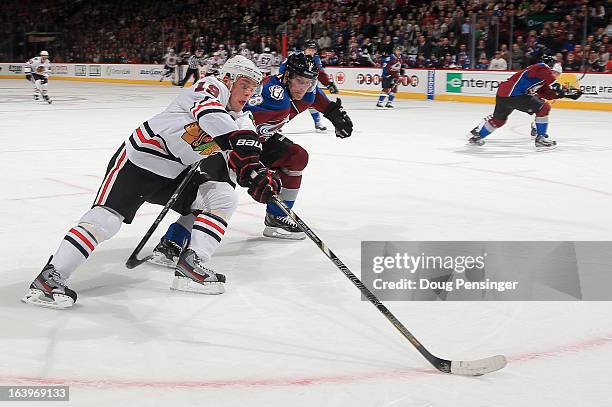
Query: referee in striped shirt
{"x": 194, "y": 62}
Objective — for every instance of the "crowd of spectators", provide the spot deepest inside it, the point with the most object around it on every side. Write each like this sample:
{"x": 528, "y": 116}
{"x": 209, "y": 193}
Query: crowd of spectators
{"x": 507, "y": 34}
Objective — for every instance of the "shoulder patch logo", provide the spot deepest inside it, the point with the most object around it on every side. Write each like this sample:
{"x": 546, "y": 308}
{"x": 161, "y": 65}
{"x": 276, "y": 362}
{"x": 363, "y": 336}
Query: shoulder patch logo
{"x": 255, "y": 100}
{"x": 277, "y": 92}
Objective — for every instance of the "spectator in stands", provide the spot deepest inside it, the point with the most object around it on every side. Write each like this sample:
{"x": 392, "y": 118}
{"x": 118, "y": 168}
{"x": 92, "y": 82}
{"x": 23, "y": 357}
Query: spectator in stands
{"x": 325, "y": 42}
{"x": 482, "y": 64}
{"x": 463, "y": 59}
{"x": 518, "y": 57}
{"x": 604, "y": 54}
{"x": 505, "y": 53}
{"x": 569, "y": 44}
{"x": 498, "y": 63}
{"x": 594, "y": 63}
{"x": 571, "y": 64}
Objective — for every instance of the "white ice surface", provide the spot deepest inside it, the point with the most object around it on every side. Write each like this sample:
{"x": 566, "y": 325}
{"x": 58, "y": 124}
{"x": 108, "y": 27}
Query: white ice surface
{"x": 291, "y": 330}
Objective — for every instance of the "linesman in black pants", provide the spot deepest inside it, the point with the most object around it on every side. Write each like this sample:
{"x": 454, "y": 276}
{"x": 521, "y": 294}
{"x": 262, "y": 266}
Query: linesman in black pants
{"x": 194, "y": 62}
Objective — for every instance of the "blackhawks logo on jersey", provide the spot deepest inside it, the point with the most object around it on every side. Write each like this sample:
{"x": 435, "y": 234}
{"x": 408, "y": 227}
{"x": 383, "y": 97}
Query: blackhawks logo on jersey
{"x": 199, "y": 140}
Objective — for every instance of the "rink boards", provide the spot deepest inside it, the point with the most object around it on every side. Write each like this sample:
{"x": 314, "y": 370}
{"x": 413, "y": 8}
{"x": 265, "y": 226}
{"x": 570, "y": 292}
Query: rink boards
{"x": 448, "y": 85}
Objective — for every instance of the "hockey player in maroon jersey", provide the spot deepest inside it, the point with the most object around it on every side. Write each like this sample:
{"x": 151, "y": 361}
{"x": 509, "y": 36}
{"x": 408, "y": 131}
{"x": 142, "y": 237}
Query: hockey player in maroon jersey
{"x": 527, "y": 91}
{"x": 205, "y": 121}
{"x": 393, "y": 68}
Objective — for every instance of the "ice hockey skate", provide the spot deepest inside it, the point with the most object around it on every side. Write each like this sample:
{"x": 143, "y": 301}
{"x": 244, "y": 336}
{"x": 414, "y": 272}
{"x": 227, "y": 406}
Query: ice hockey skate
{"x": 166, "y": 253}
{"x": 50, "y": 290}
{"x": 282, "y": 227}
{"x": 474, "y": 138}
{"x": 319, "y": 127}
{"x": 193, "y": 275}
{"x": 389, "y": 105}
{"x": 542, "y": 143}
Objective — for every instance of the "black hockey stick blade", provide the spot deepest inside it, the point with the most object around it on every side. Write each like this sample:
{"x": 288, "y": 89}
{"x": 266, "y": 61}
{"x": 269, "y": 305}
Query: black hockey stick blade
{"x": 462, "y": 367}
{"x": 134, "y": 261}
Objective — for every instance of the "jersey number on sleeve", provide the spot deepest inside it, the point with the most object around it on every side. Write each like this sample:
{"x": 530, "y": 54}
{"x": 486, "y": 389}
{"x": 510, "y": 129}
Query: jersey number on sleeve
{"x": 207, "y": 87}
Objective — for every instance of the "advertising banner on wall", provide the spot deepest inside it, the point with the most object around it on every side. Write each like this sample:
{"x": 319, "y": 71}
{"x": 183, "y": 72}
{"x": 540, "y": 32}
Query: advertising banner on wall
{"x": 370, "y": 79}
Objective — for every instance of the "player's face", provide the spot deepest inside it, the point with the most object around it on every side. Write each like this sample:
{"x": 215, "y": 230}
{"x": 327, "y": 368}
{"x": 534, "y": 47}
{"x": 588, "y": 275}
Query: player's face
{"x": 241, "y": 92}
{"x": 298, "y": 86}
{"x": 310, "y": 51}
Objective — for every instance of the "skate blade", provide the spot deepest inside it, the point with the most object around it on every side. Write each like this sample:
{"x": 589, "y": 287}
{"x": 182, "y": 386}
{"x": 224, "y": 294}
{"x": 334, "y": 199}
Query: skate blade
{"x": 37, "y": 297}
{"x": 318, "y": 130}
{"x": 188, "y": 285}
{"x": 544, "y": 149}
{"x": 280, "y": 233}
{"x": 161, "y": 260}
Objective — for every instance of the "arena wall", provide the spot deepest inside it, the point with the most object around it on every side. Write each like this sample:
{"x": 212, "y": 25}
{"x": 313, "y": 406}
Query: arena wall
{"x": 440, "y": 84}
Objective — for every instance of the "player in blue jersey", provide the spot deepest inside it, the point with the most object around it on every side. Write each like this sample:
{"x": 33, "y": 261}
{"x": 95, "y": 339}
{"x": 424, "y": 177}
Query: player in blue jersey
{"x": 393, "y": 69}
{"x": 310, "y": 48}
{"x": 282, "y": 97}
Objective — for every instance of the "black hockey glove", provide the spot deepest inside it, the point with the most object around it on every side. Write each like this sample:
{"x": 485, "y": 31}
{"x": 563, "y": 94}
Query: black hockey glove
{"x": 573, "y": 93}
{"x": 244, "y": 157}
{"x": 558, "y": 89}
{"x": 342, "y": 123}
{"x": 28, "y": 76}
{"x": 264, "y": 184}
{"x": 332, "y": 88}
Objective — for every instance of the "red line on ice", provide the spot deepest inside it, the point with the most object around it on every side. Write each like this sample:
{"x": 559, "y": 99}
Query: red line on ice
{"x": 293, "y": 381}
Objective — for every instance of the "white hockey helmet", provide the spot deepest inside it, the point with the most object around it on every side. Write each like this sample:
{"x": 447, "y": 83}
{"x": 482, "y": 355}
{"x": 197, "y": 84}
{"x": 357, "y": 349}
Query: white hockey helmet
{"x": 557, "y": 68}
{"x": 266, "y": 49}
{"x": 238, "y": 66}
{"x": 44, "y": 54}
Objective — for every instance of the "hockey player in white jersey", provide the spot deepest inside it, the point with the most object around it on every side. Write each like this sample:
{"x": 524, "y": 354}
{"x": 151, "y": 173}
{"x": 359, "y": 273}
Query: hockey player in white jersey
{"x": 204, "y": 122}
{"x": 244, "y": 51}
{"x": 170, "y": 62}
{"x": 213, "y": 64}
{"x": 264, "y": 62}
{"x": 37, "y": 71}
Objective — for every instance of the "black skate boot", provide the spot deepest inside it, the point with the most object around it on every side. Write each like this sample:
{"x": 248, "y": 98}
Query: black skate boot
{"x": 534, "y": 131}
{"x": 542, "y": 143}
{"x": 320, "y": 127}
{"x": 49, "y": 290}
{"x": 282, "y": 227}
{"x": 379, "y": 104}
{"x": 192, "y": 275}
{"x": 166, "y": 253}
{"x": 389, "y": 105}
{"x": 474, "y": 138}
{"x": 36, "y": 97}
{"x": 47, "y": 98}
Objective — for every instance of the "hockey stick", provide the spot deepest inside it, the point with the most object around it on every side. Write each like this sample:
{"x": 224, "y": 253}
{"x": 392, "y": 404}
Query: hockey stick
{"x": 133, "y": 260}
{"x": 465, "y": 367}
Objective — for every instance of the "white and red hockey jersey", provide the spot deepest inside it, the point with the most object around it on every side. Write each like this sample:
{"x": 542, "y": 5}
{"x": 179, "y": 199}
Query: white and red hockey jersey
{"x": 183, "y": 133}
{"x": 264, "y": 63}
{"x": 37, "y": 66}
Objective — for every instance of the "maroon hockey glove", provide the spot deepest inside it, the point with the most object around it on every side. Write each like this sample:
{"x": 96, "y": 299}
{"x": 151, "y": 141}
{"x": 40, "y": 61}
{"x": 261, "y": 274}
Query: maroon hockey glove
{"x": 264, "y": 184}
{"x": 244, "y": 157}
